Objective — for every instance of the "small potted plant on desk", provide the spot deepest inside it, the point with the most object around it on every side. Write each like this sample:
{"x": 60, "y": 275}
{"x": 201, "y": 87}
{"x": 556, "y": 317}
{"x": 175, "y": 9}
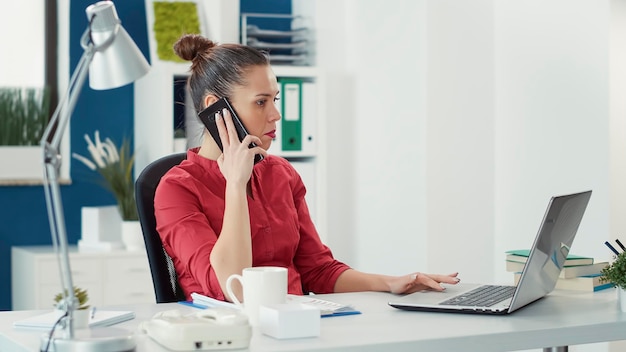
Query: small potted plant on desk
{"x": 615, "y": 273}
{"x": 82, "y": 312}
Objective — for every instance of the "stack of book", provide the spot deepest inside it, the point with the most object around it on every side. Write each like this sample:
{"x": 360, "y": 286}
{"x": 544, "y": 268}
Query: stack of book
{"x": 579, "y": 273}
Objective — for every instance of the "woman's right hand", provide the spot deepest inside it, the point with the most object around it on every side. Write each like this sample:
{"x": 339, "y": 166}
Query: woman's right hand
{"x": 237, "y": 159}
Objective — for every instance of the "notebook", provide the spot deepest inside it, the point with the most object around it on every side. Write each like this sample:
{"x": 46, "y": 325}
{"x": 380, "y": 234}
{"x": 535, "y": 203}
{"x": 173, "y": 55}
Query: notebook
{"x": 99, "y": 318}
{"x": 539, "y": 276}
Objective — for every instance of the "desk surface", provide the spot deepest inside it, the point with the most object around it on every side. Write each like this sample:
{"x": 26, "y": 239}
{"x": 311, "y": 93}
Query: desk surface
{"x": 562, "y": 318}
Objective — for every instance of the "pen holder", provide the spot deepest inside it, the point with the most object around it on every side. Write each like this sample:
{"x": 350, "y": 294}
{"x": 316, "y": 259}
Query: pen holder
{"x": 81, "y": 317}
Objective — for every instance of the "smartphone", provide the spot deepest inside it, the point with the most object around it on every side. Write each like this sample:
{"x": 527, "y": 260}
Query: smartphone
{"x": 207, "y": 116}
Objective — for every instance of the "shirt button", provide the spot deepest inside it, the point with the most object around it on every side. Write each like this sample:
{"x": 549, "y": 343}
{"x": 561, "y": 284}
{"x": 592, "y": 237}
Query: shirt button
{"x": 267, "y": 229}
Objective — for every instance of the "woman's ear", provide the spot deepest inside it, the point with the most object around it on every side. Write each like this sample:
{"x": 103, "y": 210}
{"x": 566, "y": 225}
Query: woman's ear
{"x": 210, "y": 99}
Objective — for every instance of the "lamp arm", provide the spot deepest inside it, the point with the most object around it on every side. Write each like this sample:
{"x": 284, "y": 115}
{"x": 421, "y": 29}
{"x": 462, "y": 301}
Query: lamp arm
{"x": 63, "y": 111}
{"x": 52, "y": 162}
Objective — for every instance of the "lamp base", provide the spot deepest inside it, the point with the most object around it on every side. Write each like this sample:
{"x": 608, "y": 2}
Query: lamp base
{"x": 91, "y": 340}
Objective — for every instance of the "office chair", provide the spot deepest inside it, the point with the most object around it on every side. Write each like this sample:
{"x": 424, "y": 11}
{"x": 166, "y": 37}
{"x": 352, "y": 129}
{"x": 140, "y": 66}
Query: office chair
{"x": 164, "y": 278}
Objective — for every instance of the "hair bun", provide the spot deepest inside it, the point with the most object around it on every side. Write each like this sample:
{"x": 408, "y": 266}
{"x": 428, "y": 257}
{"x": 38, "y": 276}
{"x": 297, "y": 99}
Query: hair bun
{"x": 189, "y": 46}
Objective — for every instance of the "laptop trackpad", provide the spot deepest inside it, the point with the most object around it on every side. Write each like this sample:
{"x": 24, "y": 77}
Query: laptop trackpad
{"x": 433, "y": 297}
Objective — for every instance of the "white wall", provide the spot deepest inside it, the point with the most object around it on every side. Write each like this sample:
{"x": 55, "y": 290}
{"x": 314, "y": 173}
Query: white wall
{"x": 460, "y": 129}
{"x": 552, "y": 111}
{"x": 22, "y": 61}
{"x": 375, "y": 139}
{"x": 451, "y": 124}
{"x": 617, "y": 126}
{"x": 617, "y": 79}
{"x": 332, "y": 26}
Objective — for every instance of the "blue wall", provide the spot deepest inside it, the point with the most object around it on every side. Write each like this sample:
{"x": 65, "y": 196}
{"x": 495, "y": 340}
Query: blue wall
{"x": 23, "y": 216}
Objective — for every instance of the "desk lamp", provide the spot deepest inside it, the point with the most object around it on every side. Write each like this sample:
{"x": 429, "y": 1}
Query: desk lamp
{"x": 113, "y": 60}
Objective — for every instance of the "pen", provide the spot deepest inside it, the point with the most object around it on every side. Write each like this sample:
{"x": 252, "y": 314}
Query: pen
{"x": 191, "y": 304}
{"x": 620, "y": 244}
{"x": 93, "y": 312}
{"x": 611, "y": 248}
{"x": 339, "y": 314}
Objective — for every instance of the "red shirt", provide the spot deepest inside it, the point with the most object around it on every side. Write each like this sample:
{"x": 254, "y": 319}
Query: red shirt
{"x": 189, "y": 209}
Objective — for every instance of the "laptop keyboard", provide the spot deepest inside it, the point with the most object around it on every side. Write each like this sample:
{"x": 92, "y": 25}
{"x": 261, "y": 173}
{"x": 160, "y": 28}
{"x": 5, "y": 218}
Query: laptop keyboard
{"x": 483, "y": 296}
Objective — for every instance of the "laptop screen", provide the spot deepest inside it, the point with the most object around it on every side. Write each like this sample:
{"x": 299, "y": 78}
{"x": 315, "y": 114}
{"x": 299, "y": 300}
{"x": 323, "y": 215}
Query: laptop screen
{"x": 552, "y": 245}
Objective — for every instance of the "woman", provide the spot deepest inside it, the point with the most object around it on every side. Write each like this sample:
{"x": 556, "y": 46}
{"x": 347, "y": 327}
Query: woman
{"x": 218, "y": 212}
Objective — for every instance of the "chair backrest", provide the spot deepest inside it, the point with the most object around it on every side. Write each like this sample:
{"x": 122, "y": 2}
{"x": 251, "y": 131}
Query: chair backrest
{"x": 164, "y": 279}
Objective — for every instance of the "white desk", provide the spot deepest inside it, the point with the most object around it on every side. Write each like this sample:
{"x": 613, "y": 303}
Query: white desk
{"x": 562, "y": 318}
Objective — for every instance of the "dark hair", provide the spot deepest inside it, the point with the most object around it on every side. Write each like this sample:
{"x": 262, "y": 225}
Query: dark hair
{"x": 216, "y": 68}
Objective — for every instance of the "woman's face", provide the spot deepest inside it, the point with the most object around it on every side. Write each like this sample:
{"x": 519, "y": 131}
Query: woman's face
{"x": 255, "y": 103}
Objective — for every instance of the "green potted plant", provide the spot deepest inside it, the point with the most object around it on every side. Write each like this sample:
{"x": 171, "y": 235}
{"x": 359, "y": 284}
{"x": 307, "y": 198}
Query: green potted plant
{"x": 80, "y": 294}
{"x": 615, "y": 273}
{"x": 82, "y": 312}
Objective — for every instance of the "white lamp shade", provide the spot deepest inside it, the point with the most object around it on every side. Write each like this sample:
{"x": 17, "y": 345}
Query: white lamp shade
{"x": 118, "y": 63}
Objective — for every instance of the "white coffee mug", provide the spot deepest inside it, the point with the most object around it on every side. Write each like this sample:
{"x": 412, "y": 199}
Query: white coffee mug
{"x": 262, "y": 285}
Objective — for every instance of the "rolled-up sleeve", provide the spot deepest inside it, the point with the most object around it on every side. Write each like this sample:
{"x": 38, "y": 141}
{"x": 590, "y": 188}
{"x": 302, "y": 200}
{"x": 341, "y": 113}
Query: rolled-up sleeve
{"x": 318, "y": 268}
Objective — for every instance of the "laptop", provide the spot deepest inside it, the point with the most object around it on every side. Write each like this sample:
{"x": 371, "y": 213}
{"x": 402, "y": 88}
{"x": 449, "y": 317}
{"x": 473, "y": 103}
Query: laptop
{"x": 539, "y": 276}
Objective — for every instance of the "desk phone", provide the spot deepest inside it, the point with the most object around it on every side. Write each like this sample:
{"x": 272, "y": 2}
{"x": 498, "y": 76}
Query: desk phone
{"x": 209, "y": 329}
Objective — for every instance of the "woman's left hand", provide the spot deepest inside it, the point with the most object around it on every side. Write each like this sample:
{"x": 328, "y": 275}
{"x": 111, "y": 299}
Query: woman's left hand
{"x": 419, "y": 281}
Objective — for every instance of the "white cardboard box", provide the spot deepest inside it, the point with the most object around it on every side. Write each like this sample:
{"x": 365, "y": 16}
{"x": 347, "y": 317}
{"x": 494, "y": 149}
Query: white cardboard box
{"x": 289, "y": 320}
{"x": 100, "y": 228}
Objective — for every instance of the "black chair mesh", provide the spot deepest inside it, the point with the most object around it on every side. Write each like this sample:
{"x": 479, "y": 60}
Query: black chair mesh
{"x": 164, "y": 278}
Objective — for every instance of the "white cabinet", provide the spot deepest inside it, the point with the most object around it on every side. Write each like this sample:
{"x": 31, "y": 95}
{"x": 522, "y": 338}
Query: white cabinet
{"x": 110, "y": 278}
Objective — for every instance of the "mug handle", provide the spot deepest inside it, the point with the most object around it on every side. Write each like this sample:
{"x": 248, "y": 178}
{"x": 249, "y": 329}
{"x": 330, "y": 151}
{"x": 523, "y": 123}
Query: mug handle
{"x": 229, "y": 289}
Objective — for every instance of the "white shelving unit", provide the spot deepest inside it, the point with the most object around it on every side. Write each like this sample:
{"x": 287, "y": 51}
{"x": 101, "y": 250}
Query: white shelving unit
{"x": 154, "y": 110}
{"x": 110, "y": 278}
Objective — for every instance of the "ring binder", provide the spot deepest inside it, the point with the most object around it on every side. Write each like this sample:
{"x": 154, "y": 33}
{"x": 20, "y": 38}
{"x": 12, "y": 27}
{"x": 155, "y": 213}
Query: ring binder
{"x": 292, "y": 114}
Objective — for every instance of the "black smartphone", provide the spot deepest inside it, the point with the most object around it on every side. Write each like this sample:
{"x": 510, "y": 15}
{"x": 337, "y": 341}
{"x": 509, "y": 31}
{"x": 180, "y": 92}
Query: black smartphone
{"x": 207, "y": 116}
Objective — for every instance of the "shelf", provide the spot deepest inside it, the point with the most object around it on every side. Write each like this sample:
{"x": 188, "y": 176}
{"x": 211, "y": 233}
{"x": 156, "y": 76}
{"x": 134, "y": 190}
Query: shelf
{"x": 182, "y": 69}
{"x": 294, "y": 155}
{"x": 295, "y": 71}
{"x": 173, "y": 68}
